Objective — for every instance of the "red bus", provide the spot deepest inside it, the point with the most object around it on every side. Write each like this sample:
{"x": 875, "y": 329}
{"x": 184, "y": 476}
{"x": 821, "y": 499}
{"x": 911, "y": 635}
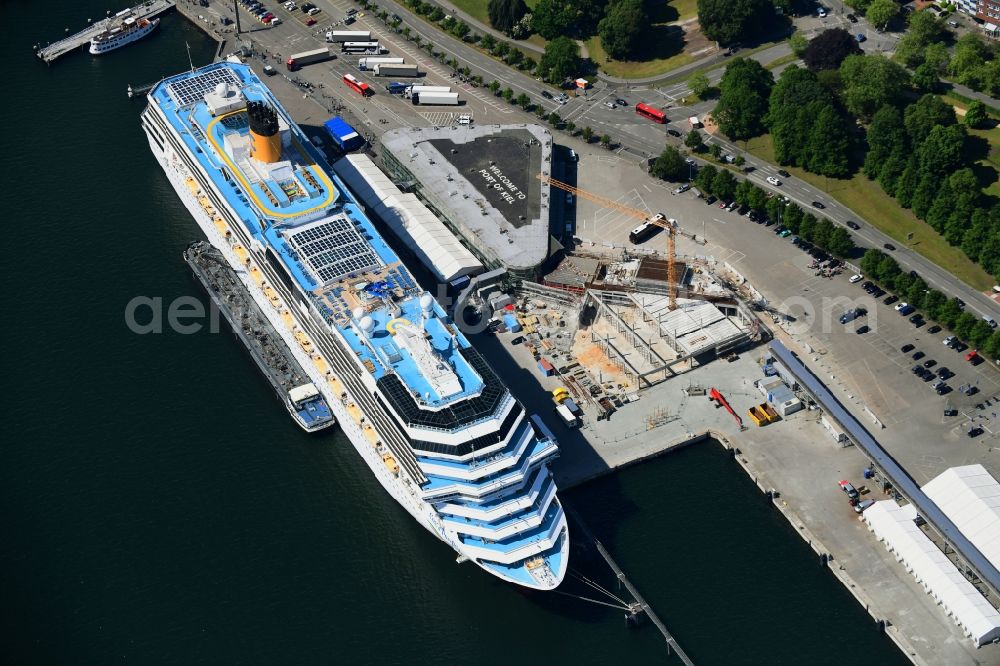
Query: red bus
{"x": 359, "y": 87}
{"x": 646, "y": 111}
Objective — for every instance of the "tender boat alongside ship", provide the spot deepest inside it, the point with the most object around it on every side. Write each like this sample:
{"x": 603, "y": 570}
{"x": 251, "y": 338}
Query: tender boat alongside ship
{"x": 123, "y": 29}
{"x": 437, "y": 427}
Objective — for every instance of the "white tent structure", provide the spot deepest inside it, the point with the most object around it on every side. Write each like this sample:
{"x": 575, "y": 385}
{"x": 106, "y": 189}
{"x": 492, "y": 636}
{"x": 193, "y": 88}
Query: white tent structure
{"x": 894, "y": 526}
{"x": 970, "y": 497}
{"x": 421, "y": 230}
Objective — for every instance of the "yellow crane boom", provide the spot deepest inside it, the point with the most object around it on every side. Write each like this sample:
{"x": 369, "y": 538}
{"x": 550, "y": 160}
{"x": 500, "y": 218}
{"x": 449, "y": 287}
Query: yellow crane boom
{"x": 658, "y": 220}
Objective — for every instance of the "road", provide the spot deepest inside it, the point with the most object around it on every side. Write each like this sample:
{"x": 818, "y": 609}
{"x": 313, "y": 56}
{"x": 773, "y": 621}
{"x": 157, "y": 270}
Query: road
{"x": 635, "y": 135}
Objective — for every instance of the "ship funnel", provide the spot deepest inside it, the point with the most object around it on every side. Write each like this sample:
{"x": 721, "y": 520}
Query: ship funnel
{"x": 264, "y": 132}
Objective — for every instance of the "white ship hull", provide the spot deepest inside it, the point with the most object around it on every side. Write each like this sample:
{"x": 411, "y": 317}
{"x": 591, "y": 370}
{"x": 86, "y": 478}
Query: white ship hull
{"x": 105, "y": 46}
{"x": 399, "y": 487}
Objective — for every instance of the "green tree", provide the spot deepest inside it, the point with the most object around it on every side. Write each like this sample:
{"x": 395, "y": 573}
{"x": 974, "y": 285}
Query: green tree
{"x": 488, "y": 42}
{"x": 694, "y": 141}
{"x": 923, "y": 30}
{"x": 739, "y": 161}
{"x": 699, "y": 84}
{"x": 670, "y": 165}
{"x": 840, "y": 242}
{"x": 871, "y": 81}
{"x": 799, "y": 43}
{"x": 570, "y": 127}
{"x": 587, "y": 133}
{"x": 743, "y": 100}
{"x": 757, "y": 198}
{"x": 504, "y": 14}
{"x": 742, "y": 193}
{"x": 925, "y": 79}
{"x": 976, "y": 114}
{"x": 523, "y": 101}
{"x": 829, "y": 48}
{"x": 971, "y": 53}
{"x": 622, "y": 28}
{"x": 992, "y": 346}
{"x": 606, "y": 141}
{"x": 705, "y": 178}
{"x": 940, "y": 153}
{"x": 924, "y": 115}
{"x": 715, "y": 150}
{"x": 725, "y": 21}
{"x": 515, "y": 57}
{"x": 553, "y": 18}
{"x": 886, "y": 137}
{"x": 793, "y": 106}
{"x": 508, "y": 94}
{"x": 724, "y": 184}
{"x": 560, "y": 59}
{"x": 494, "y": 86}
{"x": 964, "y": 325}
{"x": 554, "y": 118}
{"x": 937, "y": 57}
{"x": 829, "y": 144}
{"x": 880, "y": 12}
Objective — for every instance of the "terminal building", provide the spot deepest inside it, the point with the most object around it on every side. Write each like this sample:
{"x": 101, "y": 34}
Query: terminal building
{"x": 482, "y": 182}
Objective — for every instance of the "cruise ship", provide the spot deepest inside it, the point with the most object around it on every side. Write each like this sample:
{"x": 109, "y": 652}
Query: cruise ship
{"x": 123, "y": 29}
{"x": 436, "y": 426}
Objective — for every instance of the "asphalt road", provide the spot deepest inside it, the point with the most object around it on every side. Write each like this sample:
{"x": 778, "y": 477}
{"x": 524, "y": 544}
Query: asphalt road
{"x": 633, "y": 133}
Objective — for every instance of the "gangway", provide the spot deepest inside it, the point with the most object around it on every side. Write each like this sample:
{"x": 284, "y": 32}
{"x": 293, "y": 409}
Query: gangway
{"x": 145, "y": 10}
{"x": 714, "y": 394}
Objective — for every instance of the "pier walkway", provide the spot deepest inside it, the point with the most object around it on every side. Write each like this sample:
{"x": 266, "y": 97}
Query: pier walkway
{"x": 63, "y": 46}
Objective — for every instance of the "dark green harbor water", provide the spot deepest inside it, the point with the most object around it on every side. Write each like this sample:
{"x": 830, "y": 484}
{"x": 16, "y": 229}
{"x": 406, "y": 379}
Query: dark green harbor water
{"x": 159, "y": 506}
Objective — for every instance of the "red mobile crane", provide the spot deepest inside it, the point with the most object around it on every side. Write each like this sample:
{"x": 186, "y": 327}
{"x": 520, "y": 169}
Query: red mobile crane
{"x": 720, "y": 399}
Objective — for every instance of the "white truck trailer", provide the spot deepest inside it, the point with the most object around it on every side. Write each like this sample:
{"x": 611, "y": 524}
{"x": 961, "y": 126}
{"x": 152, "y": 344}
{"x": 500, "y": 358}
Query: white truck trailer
{"x": 439, "y": 98}
{"x": 405, "y": 71}
{"x": 408, "y": 93}
{"x": 364, "y": 64}
{"x": 348, "y": 36}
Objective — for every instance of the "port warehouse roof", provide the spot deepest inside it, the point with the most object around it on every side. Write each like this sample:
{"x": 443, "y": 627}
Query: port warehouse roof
{"x": 902, "y": 481}
{"x": 409, "y": 219}
{"x": 893, "y": 525}
{"x": 970, "y": 496}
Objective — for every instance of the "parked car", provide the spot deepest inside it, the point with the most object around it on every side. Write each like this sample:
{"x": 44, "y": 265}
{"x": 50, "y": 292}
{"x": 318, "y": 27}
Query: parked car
{"x": 620, "y": 102}
{"x": 944, "y": 373}
{"x": 682, "y": 189}
{"x": 852, "y": 18}
{"x": 849, "y": 489}
{"x": 951, "y": 411}
{"x": 518, "y": 340}
{"x": 906, "y": 309}
{"x": 673, "y": 132}
{"x": 710, "y": 200}
{"x": 930, "y": 363}
{"x": 917, "y": 355}
{"x": 891, "y": 299}
{"x": 863, "y": 329}
{"x": 857, "y": 278}
{"x": 934, "y": 329}
{"x": 906, "y": 349}
{"x": 862, "y": 505}
{"x": 949, "y": 340}
{"x": 546, "y": 94}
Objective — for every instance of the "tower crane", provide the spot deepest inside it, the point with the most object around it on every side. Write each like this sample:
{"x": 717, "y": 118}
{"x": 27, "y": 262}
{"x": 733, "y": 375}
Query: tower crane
{"x": 658, "y": 220}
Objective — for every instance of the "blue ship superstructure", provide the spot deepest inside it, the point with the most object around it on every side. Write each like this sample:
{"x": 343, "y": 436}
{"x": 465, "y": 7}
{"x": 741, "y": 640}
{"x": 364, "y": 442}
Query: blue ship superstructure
{"x": 439, "y": 429}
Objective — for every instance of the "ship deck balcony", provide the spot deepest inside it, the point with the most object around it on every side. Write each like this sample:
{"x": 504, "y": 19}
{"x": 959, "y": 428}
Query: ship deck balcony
{"x": 522, "y": 546}
{"x": 536, "y": 455}
{"x": 516, "y": 499}
{"x": 489, "y": 465}
{"x": 504, "y": 529}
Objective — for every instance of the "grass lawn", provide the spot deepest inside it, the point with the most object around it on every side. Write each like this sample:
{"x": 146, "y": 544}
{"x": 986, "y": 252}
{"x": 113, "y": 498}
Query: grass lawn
{"x": 634, "y": 69}
{"x": 867, "y": 199}
{"x": 988, "y": 167}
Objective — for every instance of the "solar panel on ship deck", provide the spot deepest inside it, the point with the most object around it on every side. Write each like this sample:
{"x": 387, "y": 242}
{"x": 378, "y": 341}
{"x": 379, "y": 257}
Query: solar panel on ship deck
{"x": 193, "y": 89}
{"x": 333, "y": 249}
